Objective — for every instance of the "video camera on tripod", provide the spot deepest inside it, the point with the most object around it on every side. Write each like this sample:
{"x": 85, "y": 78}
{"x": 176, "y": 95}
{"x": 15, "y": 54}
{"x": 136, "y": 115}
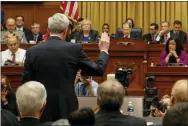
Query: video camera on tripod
{"x": 123, "y": 76}
{"x": 151, "y": 97}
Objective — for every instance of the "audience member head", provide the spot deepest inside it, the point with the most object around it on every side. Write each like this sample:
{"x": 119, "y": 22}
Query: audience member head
{"x": 35, "y": 28}
{"x": 31, "y": 99}
{"x": 19, "y": 21}
{"x": 82, "y": 117}
{"x": 177, "y": 115}
{"x": 177, "y": 25}
{"x": 13, "y": 42}
{"x": 8, "y": 119}
{"x": 179, "y": 92}
{"x": 130, "y": 21}
{"x": 174, "y": 44}
{"x": 165, "y": 26}
{"x": 58, "y": 25}
{"x": 105, "y": 28}
{"x": 10, "y": 24}
{"x": 110, "y": 95}
{"x": 126, "y": 28}
{"x": 5, "y": 82}
{"x": 153, "y": 28}
{"x": 86, "y": 25}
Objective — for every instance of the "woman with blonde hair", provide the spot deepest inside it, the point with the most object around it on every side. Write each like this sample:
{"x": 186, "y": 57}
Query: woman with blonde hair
{"x": 87, "y": 34}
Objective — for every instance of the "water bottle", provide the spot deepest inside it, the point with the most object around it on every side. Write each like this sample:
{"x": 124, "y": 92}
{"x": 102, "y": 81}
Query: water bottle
{"x": 130, "y": 108}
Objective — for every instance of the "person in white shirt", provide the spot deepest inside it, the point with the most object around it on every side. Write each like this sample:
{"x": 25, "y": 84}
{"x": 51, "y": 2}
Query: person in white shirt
{"x": 164, "y": 34}
{"x": 11, "y": 29}
{"x": 13, "y": 53}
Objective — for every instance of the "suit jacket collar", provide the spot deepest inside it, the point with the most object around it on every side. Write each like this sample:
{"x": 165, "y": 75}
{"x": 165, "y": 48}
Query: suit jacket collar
{"x": 115, "y": 112}
{"x": 54, "y": 37}
{"x": 29, "y": 121}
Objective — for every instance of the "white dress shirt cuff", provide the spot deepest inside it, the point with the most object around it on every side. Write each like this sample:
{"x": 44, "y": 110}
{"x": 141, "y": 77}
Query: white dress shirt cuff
{"x": 158, "y": 38}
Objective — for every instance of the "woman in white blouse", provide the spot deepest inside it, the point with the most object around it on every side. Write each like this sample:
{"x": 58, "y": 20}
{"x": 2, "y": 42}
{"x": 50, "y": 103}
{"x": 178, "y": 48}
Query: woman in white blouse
{"x": 13, "y": 54}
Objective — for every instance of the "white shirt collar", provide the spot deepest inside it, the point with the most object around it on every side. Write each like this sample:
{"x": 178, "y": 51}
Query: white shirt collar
{"x": 19, "y": 29}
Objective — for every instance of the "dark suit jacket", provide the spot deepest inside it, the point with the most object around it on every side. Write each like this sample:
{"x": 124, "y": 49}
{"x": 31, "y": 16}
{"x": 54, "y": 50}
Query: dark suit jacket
{"x": 93, "y": 36}
{"x": 120, "y": 34}
{"x": 116, "y": 118}
{"x": 26, "y": 31}
{"x": 148, "y": 37}
{"x": 29, "y": 121}
{"x": 55, "y": 64}
{"x": 30, "y": 37}
{"x": 11, "y": 106}
{"x": 162, "y": 40}
{"x": 182, "y": 36}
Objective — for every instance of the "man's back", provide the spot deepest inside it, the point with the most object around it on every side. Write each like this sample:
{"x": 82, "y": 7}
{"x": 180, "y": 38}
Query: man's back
{"x": 112, "y": 118}
{"x": 55, "y": 64}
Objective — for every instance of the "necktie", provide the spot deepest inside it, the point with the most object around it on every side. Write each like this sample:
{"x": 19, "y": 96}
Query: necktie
{"x": 13, "y": 57}
{"x": 35, "y": 38}
{"x": 152, "y": 38}
{"x": 166, "y": 37}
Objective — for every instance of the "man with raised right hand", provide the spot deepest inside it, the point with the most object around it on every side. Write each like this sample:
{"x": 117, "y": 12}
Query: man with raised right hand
{"x": 55, "y": 64}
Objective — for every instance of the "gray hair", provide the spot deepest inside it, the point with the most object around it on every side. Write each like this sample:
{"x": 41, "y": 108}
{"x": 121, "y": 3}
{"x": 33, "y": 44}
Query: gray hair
{"x": 30, "y": 97}
{"x": 110, "y": 95}
{"x": 58, "y": 23}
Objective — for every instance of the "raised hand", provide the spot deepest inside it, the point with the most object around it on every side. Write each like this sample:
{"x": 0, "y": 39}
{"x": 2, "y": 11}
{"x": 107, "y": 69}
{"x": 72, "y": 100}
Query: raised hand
{"x": 104, "y": 42}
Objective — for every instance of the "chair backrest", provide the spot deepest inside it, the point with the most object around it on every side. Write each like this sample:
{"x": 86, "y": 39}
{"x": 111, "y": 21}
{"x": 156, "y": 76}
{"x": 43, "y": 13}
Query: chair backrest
{"x": 90, "y": 101}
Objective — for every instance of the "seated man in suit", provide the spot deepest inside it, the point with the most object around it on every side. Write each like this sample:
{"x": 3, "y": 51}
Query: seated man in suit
{"x": 85, "y": 85}
{"x": 87, "y": 34}
{"x": 177, "y": 115}
{"x": 11, "y": 29}
{"x": 19, "y": 25}
{"x": 178, "y": 33}
{"x": 110, "y": 96}
{"x": 151, "y": 36}
{"x": 31, "y": 100}
{"x": 126, "y": 32}
{"x": 165, "y": 33}
{"x": 13, "y": 54}
{"x": 35, "y": 36}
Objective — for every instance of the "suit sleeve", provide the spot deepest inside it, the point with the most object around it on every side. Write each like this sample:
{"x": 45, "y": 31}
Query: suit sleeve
{"x": 90, "y": 67}
{"x": 27, "y": 71}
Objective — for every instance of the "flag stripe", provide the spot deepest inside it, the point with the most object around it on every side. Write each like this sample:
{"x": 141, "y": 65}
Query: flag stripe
{"x": 70, "y": 9}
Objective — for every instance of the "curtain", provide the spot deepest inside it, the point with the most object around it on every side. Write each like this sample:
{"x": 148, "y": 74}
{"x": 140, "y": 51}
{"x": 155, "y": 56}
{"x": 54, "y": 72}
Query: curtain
{"x": 143, "y": 13}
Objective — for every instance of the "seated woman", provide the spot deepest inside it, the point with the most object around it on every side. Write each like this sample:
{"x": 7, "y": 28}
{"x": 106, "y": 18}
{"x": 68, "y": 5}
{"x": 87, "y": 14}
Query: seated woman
{"x": 174, "y": 53}
{"x": 8, "y": 98}
{"x": 14, "y": 54}
{"x": 87, "y": 35}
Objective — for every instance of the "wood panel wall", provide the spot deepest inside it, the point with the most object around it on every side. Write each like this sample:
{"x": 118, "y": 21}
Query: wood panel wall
{"x": 33, "y": 12}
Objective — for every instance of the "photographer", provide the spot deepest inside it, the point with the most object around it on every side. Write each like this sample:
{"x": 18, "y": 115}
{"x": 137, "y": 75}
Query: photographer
{"x": 84, "y": 85}
{"x": 8, "y": 98}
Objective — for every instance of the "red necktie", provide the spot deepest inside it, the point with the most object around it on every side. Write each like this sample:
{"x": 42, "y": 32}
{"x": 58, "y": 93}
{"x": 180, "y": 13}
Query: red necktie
{"x": 166, "y": 37}
{"x": 13, "y": 58}
{"x": 152, "y": 37}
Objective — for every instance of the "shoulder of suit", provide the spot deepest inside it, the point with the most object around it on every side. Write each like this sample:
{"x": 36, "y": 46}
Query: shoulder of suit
{"x": 5, "y": 51}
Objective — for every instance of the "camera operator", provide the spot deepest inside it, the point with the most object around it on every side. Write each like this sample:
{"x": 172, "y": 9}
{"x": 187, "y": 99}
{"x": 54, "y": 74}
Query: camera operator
{"x": 166, "y": 100}
{"x": 84, "y": 85}
{"x": 8, "y": 98}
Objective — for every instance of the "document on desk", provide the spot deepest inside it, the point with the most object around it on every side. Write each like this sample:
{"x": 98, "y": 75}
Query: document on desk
{"x": 149, "y": 123}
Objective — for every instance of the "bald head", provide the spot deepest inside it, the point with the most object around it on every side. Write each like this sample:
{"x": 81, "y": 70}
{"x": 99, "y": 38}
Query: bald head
{"x": 10, "y": 24}
{"x": 180, "y": 91}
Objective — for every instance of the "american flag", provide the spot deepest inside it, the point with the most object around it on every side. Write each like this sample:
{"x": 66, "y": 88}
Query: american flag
{"x": 70, "y": 8}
